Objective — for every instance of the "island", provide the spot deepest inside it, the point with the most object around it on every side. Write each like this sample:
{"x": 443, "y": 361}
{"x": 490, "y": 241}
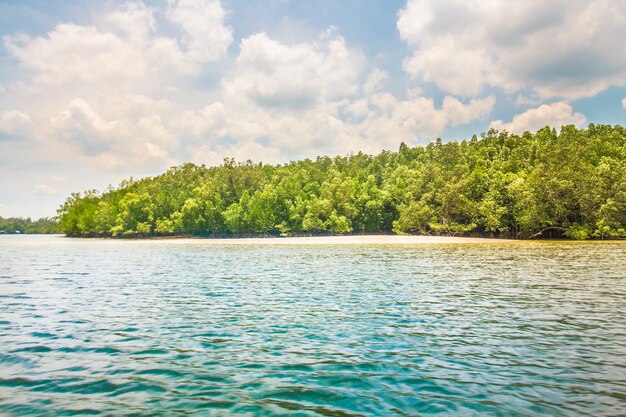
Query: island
{"x": 565, "y": 184}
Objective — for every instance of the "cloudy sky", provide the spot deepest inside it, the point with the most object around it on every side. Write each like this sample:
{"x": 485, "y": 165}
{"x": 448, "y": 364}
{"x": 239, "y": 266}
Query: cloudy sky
{"x": 95, "y": 91}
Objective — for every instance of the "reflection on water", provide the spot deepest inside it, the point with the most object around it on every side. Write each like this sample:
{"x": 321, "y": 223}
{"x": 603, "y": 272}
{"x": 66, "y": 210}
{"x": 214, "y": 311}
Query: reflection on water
{"x": 92, "y": 326}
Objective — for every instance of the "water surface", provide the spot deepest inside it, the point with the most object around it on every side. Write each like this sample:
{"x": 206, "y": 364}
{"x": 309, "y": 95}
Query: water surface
{"x": 141, "y": 328}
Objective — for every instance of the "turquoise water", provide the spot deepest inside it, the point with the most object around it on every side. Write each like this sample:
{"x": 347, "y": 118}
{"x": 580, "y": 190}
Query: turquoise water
{"x": 144, "y": 328}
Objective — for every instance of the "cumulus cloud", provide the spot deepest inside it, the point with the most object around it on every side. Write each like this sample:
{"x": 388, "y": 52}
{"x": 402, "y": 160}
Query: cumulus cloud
{"x": 368, "y": 123}
{"x": 80, "y": 123}
{"x": 313, "y": 98}
{"x": 114, "y": 142}
{"x": 522, "y": 100}
{"x": 561, "y": 48}
{"x": 236, "y": 127}
{"x": 110, "y": 89}
{"x": 207, "y": 37}
{"x": 120, "y": 93}
{"x": 624, "y": 102}
{"x": 275, "y": 74}
{"x": 555, "y": 115}
{"x": 214, "y": 154}
{"x": 135, "y": 20}
{"x": 459, "y": 113}
{"x": 74, "y": 55}
{"x": 374, "y": 81}
{"x": 14, "y": 123}
{"x": 126, "y": 52}
{"x": 416, "y": 118}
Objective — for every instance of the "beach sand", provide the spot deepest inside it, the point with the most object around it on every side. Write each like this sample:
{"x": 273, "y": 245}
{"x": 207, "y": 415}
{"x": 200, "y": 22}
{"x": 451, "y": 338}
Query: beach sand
{"x": 340, "y": 240}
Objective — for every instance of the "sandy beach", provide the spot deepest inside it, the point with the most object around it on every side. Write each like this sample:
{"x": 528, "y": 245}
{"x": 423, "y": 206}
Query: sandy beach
{"x": 340, "y": 240}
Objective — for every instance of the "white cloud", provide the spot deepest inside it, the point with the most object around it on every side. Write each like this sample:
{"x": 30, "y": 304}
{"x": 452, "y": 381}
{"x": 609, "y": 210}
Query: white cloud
{"x": 80, "y": 123}
{"x": 393, "y": 120}
{"x": 203, "y": 20}
{"x": 125, "y": 52}
{"x": 114, "y": 142}
{"x": 522, "y": 100}
{"x": 14, "y": 123}
{"x": 85, "y": 57}
{"x": 370, "y": 124}
{"x": 74, "y": 53}
{"x": 459, "y": 113}
{"x": 555, "y": 115}
{"x": 243, "y": 126}
{"x": 416, "y": 119}
{"x": 111, "y": 91}
{"x": 135, "y": 20}
{"x": 140, "y": 89}
{"x": 624, "y": 102}
{"x": 214, "y": 155}
{"x": 274, "y": 74}
{"x": 559, "y": 48}
{"x": 453, "y": 68}
{"x": 374, "y": 81}
{"x": 303, "y": 99}
{"x": 208, "y": 122}
{"x": 120, "y": 95}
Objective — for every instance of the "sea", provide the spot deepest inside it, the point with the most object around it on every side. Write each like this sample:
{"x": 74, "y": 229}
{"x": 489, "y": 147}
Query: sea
{"x": 146, "y": 327}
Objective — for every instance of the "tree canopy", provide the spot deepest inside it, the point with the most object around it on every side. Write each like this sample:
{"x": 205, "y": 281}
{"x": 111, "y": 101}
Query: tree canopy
{"x": 13, "y": 225}
{"x": 570, "y": 183}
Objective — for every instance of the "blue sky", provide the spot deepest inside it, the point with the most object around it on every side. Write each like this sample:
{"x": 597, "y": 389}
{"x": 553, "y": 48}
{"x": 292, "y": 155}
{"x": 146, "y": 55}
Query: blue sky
{"x": 92, "y": 92}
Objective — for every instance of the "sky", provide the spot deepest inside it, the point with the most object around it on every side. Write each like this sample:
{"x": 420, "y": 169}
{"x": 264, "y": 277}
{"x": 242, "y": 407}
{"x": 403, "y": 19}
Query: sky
{"x": 96, "y": 91}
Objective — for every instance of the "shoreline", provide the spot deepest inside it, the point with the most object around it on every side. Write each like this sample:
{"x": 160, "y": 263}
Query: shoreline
{"x": 347, "y": 240}
{"x": 335, "y": 240}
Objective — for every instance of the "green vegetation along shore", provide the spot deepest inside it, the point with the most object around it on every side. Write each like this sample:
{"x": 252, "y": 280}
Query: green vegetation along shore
{"x": 570, "y": 183}
{"x": 18, "y": 225}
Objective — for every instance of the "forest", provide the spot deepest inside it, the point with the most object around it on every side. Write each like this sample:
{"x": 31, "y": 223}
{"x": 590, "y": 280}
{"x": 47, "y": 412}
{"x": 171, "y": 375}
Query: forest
{"x": 569, "y": 183}
{"x": 13, "y": 225}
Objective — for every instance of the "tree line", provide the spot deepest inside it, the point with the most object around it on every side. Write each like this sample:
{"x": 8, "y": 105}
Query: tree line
{"x": 13, "y": 225}
{"x": 570, "y": 183}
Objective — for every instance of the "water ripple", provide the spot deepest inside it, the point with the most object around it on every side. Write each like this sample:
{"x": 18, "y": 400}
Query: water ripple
{"x": 138, "y": 328}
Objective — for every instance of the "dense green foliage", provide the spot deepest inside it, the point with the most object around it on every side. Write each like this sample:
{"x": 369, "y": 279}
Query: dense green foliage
{"x": 571, "y": 183}
{"x": 26, "y": 225}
